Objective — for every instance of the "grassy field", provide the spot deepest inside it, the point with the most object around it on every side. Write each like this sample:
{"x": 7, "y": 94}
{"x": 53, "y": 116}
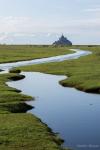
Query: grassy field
{"x": 21, "y": 131}
{"x": 84, "y": 73}
{"x": 18, "y": 130}
{"x": 12, "y": 53}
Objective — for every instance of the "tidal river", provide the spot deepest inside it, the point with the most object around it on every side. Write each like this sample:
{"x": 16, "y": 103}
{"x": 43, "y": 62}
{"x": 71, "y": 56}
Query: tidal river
{"x": 73, "y": 114}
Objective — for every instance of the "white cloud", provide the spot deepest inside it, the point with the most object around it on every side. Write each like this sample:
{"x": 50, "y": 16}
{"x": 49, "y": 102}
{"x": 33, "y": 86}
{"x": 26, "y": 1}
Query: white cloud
{"x": 93, "y": 10}
{"x": 96, "y": 10}
{"x": 3, "y": 37}
{"x": 14, "y": 24}
{"x": 26, "y": 26}
{"x": 12, "y": 28}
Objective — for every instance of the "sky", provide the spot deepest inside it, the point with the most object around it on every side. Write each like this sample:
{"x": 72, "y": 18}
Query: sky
{"x": 43, "y": 21}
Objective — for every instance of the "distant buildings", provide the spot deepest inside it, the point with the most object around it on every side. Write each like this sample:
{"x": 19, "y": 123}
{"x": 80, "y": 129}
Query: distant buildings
{"x": 63, "y": 41}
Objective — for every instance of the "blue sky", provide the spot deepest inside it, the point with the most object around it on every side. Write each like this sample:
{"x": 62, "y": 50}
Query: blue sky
{"x": 43, "y": 21}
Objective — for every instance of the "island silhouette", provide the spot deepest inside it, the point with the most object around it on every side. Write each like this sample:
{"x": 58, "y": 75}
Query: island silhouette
{"x": 62, "y": 41}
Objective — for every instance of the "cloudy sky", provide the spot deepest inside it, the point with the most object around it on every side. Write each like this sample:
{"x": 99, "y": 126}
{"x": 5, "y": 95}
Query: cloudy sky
{"x": 43, "y": 21}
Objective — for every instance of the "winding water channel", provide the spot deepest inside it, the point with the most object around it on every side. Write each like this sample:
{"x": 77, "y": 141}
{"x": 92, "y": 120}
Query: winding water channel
{"x": 75, "y": 115}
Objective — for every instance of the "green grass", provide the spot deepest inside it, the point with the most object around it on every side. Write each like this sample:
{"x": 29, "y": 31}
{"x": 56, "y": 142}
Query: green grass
{"x": 12, "y": 53}
{"x": 13, "y": 70}
{"x": 21, "y": 131}
{"x": 84, "y": 73}
{"x": 8, "y": 94}
{"x": 26, "y": 132}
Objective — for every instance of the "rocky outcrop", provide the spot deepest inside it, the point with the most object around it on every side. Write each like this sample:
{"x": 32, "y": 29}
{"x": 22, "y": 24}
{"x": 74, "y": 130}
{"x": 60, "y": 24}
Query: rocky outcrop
{"x": 63, "y": 41}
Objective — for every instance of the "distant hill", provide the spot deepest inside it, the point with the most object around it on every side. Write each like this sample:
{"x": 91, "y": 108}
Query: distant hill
{"x": 63, "y": 41}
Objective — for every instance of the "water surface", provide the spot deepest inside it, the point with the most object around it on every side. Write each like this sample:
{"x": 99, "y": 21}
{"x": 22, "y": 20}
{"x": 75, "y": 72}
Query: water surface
{"x": 72, "y": 113}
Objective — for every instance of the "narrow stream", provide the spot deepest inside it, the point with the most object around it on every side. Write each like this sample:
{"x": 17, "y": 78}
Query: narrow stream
{"x": 77, "y": 54}
{"x": 71, "y": 113}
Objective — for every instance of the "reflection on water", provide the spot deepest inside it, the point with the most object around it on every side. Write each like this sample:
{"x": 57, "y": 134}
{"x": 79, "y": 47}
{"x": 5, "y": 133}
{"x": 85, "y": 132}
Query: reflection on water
{"x": 72, "y": 113}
